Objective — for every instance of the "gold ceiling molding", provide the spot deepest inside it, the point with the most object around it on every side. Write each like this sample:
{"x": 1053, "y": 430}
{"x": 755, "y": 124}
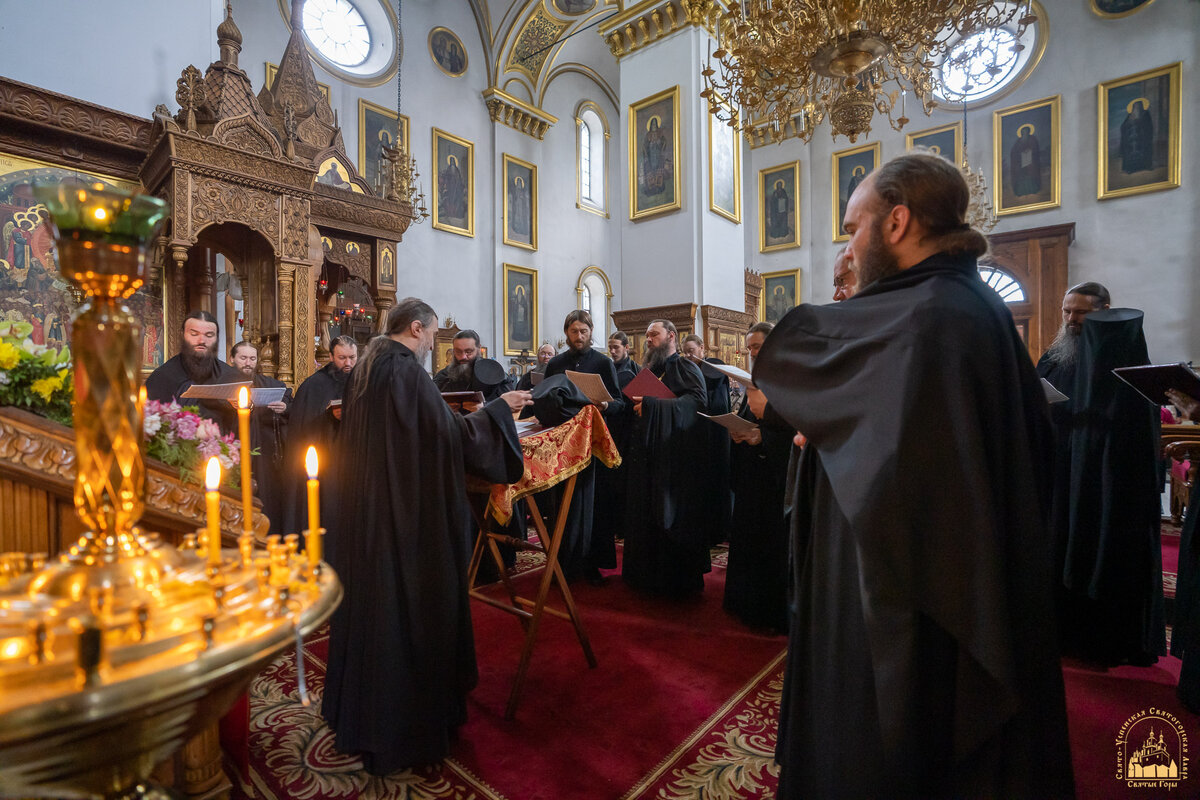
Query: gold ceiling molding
{"x": 516, "y": 114}
{"x": 648, "y": 21}
{"x": 532, "y": 47}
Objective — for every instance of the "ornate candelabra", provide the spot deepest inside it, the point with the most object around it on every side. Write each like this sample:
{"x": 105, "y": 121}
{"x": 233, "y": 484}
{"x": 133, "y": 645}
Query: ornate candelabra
{"x": 117, "y": 651}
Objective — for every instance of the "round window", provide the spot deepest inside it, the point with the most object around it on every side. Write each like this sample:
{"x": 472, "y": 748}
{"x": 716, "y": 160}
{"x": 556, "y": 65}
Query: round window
{"x": 985, "y": 65}
{"x": 354, "y": 40}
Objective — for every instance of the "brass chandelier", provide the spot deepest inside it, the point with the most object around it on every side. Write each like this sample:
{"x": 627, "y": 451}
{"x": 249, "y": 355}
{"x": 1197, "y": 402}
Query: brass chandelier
{"x": 795, "y": 62}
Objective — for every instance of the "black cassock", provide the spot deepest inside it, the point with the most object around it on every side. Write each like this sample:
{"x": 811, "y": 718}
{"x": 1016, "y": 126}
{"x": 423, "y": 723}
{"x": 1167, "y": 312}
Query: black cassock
{"x": 1062, "y": 377}
{"x": 268, "y": 435}
{"x": 714, "y": 470}
{"x": 922, "y": 663}
{"x": 490, "y": 391}
{"x": 310, "y": 423}
{"x": 608, "y": 514}
{"x": 665, "y": 548}
{"x": 170, "y": 381}
{"x": 401, "y": 648}
{"x": 1110, "y": 551}
{"x": 757, "y": 575}
{"x": 579, "y": 549}
{"x": 1185, "y": 636}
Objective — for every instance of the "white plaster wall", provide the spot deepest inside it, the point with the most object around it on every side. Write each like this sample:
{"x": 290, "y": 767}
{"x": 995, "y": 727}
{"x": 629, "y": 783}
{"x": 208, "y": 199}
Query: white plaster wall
{"x": 1143, "y": 248}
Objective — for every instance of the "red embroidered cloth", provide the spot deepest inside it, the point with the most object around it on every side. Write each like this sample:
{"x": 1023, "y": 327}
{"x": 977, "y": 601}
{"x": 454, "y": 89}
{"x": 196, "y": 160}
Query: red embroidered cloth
{"x": 553, "y": 456}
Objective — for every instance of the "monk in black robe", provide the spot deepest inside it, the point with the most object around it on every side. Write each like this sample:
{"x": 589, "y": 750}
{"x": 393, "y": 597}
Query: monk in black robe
{"x": 665, "y": 548}
{"x": 756, "y": 577}
{"x": 1185, "y": 635}
{"x": 196, "y": 363}
{"x": 544, "y": 354}
{"x": 1057, "y": 365}
{"x": 1110, "y": 553}
{"x": 921, "y": 662}
{"x": 608, "y": 516}
{"x": 580, "y": 552}
{"x": 714, "y": 471}
{"x": 268, "y": 433}
{"x": 469, "y": 372}
{"x": 313, "y": 424}
{"x": 401, "y": 647}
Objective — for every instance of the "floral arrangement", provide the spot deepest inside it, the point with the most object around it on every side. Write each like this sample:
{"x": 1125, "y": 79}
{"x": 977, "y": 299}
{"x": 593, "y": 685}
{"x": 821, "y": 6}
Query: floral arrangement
{"x": 179, "y": 437}
{"x": 33, "y": 376}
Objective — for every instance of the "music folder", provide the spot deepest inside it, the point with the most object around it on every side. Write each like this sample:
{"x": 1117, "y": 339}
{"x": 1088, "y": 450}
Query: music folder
{"x": 647, "y": 384}
{"x": 732, "y": 422}
{"x": 1153, "y": 380}
{"x": 458, "y": 398}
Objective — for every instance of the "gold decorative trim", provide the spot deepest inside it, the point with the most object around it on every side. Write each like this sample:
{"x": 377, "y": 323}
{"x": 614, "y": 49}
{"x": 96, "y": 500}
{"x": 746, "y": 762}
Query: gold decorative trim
{"x": 537, "y": 34}
{"x": 469, "y": 178}
{"x": 1174, "y": 74}
{"x": 1119, "y": 15}
{"x": 438, "y": 64}
{"x": 651, "y": 20}
{"x": 1055, "y": 104}
{"x": 796, "y": 274}
{"x": 508, "y": 110}
{"x": 910, "y": 138}
{"x": 389, "y": 113}
{"x": 534, "y": 308}
{"x": 532, "y": 244}
{"x": 676, "y": 164}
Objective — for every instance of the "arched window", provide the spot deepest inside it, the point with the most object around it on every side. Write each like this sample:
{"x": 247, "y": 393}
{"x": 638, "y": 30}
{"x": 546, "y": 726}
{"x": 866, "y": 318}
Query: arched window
{"x": 1006, "y": 285}
{"x": 595, "y": 297}
{"x": 984, "y": 65}
{"x": 591, "y": 168}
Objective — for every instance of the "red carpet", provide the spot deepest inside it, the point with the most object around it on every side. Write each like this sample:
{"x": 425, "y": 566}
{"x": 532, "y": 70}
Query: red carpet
{"x": 683, "y": 706}
{"x": 671, "y": 676}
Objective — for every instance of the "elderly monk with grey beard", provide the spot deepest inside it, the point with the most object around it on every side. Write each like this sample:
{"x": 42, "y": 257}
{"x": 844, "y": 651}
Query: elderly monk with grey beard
{"x": 1057, "y": 364}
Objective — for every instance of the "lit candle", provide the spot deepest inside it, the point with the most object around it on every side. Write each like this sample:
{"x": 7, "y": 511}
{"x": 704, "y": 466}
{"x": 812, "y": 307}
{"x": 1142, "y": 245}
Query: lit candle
{"x": 244, "y": 433}
{"x": 312, "y": 541}
{"x": 212, "y": 482}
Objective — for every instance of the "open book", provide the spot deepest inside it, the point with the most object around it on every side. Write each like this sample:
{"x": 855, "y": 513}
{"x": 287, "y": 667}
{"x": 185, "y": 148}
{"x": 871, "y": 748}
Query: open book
{"x": 1153, "y": 380}
{"x": 732, "y": 422}
{"x": 735, "y": 373}
{"x": 591, "y": 385}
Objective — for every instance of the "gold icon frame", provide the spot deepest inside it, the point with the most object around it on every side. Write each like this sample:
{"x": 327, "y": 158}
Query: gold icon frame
{"x": 635, "y": 125}
{"x": 1174, "y": 75}
{"x": 442, "y": 136}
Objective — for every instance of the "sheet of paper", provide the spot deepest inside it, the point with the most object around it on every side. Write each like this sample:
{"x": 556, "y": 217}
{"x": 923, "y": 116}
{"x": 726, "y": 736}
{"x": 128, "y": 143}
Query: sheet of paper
{"x": 215, "y": 391}
{"x": 528, "y": 427}
{"x": 1053, "y": 395}
{"x": 267, "y": 395}
{"x": 591, "y": 385}
{"x": 732, "y": 422}
{"x": 735, "y": 373}
{"x": 647, "y": 384}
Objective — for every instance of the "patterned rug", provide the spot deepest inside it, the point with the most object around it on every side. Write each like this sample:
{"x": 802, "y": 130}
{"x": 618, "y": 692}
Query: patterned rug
{"x": 729, "y": 756}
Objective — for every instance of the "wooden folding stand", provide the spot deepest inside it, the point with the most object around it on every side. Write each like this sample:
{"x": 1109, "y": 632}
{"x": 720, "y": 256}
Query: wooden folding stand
{"x": 530, "y": 611}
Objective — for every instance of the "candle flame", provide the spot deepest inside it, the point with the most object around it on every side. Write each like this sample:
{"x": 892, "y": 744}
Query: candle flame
{"x": 310, "y": 462}
{"x": 243, "y": 398}
{"x": 212, "y": 475}
{"x": 100, "y": 213}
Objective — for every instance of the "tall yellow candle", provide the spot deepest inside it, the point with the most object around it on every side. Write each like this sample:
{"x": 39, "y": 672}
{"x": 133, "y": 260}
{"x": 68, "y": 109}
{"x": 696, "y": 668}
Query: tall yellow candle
{"x": 244, "y": 435}
{"x": 212, "y": 483}
{"x": 312, "y": 541}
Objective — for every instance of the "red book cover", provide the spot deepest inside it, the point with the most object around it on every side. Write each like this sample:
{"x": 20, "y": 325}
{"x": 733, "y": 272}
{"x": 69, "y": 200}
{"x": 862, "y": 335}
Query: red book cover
{"x": 647, "y": 384}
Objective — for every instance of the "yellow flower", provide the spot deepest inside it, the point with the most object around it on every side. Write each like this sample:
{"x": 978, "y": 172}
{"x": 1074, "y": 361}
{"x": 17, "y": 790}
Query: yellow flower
{"x": 9, "y": 355}
{"x": 46, "y": 387}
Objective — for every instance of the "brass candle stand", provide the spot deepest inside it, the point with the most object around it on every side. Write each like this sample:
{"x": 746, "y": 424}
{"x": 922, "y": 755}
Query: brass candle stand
{"x": 116, "y": 652}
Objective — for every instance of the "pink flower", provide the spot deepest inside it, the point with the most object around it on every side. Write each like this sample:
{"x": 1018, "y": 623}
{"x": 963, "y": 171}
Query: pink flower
{"x": 208, "y": 429}
{"x": 184, "y": 425}
{"x": 208, "y": 448}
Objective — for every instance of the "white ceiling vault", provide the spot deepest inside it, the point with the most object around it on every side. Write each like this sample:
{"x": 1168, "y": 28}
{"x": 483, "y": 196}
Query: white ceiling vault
{"x": 527, "y": 47}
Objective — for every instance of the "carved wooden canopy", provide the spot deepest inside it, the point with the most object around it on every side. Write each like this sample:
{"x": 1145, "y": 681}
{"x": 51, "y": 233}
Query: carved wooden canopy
{"x": 231, "y": 156}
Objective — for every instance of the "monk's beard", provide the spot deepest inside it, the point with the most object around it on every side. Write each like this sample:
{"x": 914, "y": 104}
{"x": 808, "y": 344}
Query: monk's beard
{"x": 1064, "y": 350}
{"x": 877, "y": 262}
{"x": 199, "y": 365}
{"x": 461, "y": 372}
{"x": 657, "y": 356}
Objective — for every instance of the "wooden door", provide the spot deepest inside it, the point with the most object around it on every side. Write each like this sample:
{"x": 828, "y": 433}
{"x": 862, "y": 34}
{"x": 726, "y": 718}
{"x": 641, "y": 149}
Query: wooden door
{"x": 1036, "y": 259}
